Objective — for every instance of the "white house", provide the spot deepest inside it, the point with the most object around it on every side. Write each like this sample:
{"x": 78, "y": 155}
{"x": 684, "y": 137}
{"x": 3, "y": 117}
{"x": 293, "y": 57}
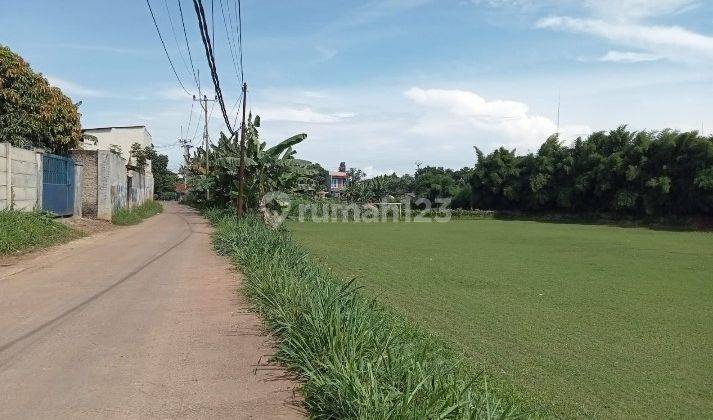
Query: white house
{"x": 109, "y": 138}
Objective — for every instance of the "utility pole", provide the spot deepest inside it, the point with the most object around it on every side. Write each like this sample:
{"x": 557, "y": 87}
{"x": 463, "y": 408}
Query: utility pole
{"x": 241, "y": 169}
{"x": 558, "y": 113}
{"x": 185, "y": 144}
{"x": 204, "y": 104}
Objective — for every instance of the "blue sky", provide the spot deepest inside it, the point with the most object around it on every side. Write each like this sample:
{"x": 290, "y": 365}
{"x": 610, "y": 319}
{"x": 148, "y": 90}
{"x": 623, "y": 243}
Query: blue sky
{"x": 385, "y": 84}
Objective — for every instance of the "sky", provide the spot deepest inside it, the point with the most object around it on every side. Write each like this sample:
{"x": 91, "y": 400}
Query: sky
{"x": 382, "y": 85}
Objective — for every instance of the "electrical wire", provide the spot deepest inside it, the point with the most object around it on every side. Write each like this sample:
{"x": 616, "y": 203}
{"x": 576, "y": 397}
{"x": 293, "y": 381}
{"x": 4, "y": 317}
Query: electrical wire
{"x": 188, "y": 47}
{"x": 240, "y": 42}
{"x": 175, "y": 37}
{"x": 205, "y": 36}
{"x": 153, "y": 17}
{"x": 230, "y": 37}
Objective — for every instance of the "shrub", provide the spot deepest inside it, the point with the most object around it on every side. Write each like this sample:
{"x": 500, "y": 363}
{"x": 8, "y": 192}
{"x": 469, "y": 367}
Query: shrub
{"x": 356, "y": 358}
{"x": 135, "y": 215}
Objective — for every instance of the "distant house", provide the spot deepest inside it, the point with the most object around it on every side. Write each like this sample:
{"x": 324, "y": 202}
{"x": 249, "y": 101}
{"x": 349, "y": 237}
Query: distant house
{"x": 337, "y": 182}
{"x": 181, "y": 189}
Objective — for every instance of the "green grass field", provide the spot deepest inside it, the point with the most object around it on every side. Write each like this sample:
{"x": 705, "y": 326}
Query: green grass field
{"x": 589, "y": 320}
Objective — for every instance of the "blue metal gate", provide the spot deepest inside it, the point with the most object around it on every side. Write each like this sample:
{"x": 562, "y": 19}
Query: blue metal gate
{"x": 57, "y": 185}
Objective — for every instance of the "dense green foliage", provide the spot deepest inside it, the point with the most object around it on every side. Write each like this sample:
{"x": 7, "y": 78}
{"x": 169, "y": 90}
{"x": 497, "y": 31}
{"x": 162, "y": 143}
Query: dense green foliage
{"x": 621, "y": 172}
{"x": 429, "y": 182}
{"x": 164, "y": 180}
{"x": 32, "y": 113}
{"x": 624, "y": 172}
{"x": 267, "y": 169}
{"x": 597, "y": 321}
{"x": 25, "y": 231}
{"x": 355, "y": 358}
{"x": 126, "y": 216}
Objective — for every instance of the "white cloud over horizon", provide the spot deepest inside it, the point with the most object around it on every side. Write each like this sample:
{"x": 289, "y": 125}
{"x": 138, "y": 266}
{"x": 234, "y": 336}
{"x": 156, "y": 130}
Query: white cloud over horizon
{"x": 509, "y": 122}
{"x": 672, "y": 42}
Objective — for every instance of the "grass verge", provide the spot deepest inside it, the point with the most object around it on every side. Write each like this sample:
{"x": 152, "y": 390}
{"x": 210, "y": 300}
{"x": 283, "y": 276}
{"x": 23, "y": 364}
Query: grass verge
{"x": 356, "y": 358}
{"x": 27, "y": 231}
{"x": 124, "y": 217}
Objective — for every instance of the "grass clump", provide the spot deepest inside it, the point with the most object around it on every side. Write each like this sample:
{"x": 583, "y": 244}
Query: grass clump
{"x": 125, "y": 216}
{"x": 356, "y": 359}
{"x": 27, "y": 231}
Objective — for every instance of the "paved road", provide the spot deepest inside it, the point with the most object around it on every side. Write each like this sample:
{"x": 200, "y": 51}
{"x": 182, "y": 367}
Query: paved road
{"x": 139, "y": 322}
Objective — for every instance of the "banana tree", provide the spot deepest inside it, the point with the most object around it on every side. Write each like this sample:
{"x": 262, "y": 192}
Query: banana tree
{"x": 267, "y": 169}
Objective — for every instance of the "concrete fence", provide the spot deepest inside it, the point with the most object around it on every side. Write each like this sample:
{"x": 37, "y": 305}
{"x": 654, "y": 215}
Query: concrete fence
{"x": 20, "y": 178}
{"x": 107, "y": 186}
{"x": 102, "y": 184}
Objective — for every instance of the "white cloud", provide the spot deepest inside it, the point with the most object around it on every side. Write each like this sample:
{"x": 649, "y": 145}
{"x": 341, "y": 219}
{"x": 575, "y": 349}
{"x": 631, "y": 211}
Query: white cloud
{"x": 74, "y": 89}
{"x": 625, "y": 10}
{"x": 510, "y": 120}
{"x": 302, "y": 114}
{"x": 628, "y": 57}
{"x": 672, "y": 42}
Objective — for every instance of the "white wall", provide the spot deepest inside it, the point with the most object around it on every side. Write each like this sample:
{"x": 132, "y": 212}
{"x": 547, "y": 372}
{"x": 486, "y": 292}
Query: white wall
{"x": 20, "y": 178}
{"x": 123, "y": 137}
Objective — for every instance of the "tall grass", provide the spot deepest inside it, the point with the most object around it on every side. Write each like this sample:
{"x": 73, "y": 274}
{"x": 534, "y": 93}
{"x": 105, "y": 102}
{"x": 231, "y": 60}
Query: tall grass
{"x": 25, "y": 231}
{"x": 135, "y": 215}
{"x": 355, "y": 358}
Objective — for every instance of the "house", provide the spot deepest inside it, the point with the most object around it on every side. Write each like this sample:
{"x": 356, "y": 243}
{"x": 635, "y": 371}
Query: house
{"x": 181, "y": 189}
{"x": 117, "y": 139}
{"x": 337, "y": 180}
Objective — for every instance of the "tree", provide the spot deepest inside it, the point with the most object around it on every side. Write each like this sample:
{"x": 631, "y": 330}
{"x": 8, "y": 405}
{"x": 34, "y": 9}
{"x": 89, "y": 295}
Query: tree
{"x": 354, "y": 175}
{"x": 164, "y": 180}
{"x": 33, "y": 113}
{"x": 267, "y": 169}
{"x": 321, "y": 177}
{"x": 140, "y": 155}
{"x": 662, "y": 173}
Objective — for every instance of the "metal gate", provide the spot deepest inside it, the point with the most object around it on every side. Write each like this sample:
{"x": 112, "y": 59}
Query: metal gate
{"x": 57, "y": 185}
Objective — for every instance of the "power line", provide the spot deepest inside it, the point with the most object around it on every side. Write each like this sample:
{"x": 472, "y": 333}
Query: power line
{"x": 205, "y": 36}
{"x": 188, "y": 47}
{"x": 175, "y": 37}
{"x": 153, "y": 17}
{"x": 240, "y": 41}
{"x": 230, "y": 37}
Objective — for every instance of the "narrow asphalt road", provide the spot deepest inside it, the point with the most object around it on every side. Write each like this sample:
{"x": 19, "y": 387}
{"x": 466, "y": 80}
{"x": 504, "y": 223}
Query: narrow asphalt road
{"x": 139, "y": 322}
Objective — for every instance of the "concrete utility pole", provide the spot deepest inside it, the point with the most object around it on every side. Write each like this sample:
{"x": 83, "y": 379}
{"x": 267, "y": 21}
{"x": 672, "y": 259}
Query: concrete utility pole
{"x": 186, "y": 146}
{"x": 204, "y": 104}
{"x": 241, "y": 168}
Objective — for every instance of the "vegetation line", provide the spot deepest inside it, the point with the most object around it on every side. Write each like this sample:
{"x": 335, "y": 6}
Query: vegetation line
{"x": 27, "y": 231}
{"x": 356, "y": 358}
{"x": 126, "y": 216}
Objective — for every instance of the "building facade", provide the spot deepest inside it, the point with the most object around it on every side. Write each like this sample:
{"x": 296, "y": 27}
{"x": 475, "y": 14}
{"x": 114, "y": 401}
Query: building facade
{"x": 111, "y": 138}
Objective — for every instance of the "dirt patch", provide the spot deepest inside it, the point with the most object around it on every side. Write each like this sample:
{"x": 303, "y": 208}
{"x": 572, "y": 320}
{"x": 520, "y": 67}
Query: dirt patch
{"x": 87, "y": 226}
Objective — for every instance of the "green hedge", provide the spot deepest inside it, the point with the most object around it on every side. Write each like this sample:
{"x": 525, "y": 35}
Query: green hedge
{"x": 355, "y": 358}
